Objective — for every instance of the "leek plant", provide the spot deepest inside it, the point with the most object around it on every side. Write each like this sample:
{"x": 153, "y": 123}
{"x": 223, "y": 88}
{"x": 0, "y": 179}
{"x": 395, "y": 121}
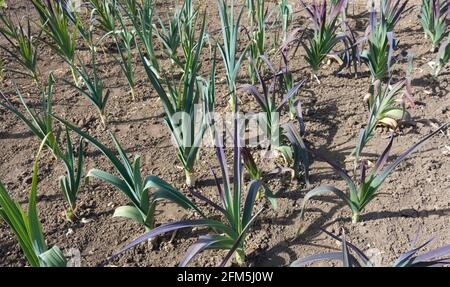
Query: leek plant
{"x": 381, "y": 46}
{"x": 70, "y": 184}
{"x": 269, "y": 122}
{"x": 170, "y": 37}
{"x": 229, "y": 49}
{"x": 74, "y": 16}
{"x": 106, "y": 11}
{"x": 55, "y": 24}
{"x": 95, "y": 92}
{"x": 27, "y": 227}
{"x": 257, "y": 40}
{"x": 21, "y": 46}
{"x": 301, "y": 153}
{"x": 144, "y": 29}
{"x": 434, "y": 20}
{"x": 286, "y": 13}
{"x": 352, "y": 256}
{"x": 40, "y": 123}
{"x": 383, "y": 110}
{"x": 325, "y": 37}
{"x": 442, "y": 58}
{"x": 179, "y": 99}
{"x": 363, "y": 192}
{"x": 131, "y": 183}
{"x": 124, "y": 41}
{"x": 229, "y": 231}
{"x": 391, "y": 11}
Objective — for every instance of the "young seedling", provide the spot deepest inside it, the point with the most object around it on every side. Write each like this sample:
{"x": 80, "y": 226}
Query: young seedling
{"x": 124, "y": 41}
{"x": 170, "y": 37}
{"x": 131, "y": 184}
{"x": 434, "y": 20}
{"x": 39, "y": 122}
{"x": 383, "y": 110}
{"x": 257, "y": 40}
{"x": 55, "y": 24}
{"x": 27, "y": 227}
{"x": 229, "y": 50}
{"x": 95, "y": 91}
{"x": 179, "y": 100}
{"x": 269, "y": 122}
{"x": 301, "y": 154}
{"x": 21, "y": 46}
{"x": 143, "y": 27}
{"x": 70, "y": 184}
{"x": 362, "y": 193}
{"x": 352, "y": 256}
{"x": 325, "y": 37}
{"x": 228, "y": 231}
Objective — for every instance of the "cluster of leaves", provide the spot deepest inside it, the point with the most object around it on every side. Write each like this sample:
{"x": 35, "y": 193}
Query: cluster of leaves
{"x": 410, "y": 258}
{"x": 179, "y": 99}
{"x": 325, "y": 24}
{"x": 21, "y": 45}
{"x": 131, "y": 184}
{"x": 381, "y": 48}
{"x": 27, "y": 227}
{"x": 55, "y": 25}
{"x": 230, "y": 230}
{"x": 361, "y": 193}
{"x": 434, "y": 20}
{"x": 257, "y": 39}
{"x": 229, "y": 48}
{"x": 383, "y": 110}
{"x": 40, "y": 123}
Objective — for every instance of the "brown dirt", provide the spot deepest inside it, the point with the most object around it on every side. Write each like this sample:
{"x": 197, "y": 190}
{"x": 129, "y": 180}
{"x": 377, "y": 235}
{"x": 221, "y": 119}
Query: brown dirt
{"x": 416, "y": 194}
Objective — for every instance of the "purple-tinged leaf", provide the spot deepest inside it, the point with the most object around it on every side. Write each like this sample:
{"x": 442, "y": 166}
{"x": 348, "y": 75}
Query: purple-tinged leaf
{"x": 390, "y": 38}
{"x": 291, "y": 37}
{"x": 362, "y": 171}
{"x": 358, "y": 252}
{"x": 207, "y": 200}
{"x": 338, "y": 170}
{"x": 436, "y": 253}
{"x": 405, "y": 258}
{"x": 175, "y": 226}
{"x": 254, "y": 92}
{"x": 219, "y": 189}
{"x": 290, "y": 94}
{"x": 384, "y": 156}
{"x": 201, "y": 244}
{"x": 317, "y": 257}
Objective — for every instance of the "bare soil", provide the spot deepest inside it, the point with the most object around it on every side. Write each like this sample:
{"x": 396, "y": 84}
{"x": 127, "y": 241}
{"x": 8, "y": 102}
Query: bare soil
{"x": 416, "y": 194}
